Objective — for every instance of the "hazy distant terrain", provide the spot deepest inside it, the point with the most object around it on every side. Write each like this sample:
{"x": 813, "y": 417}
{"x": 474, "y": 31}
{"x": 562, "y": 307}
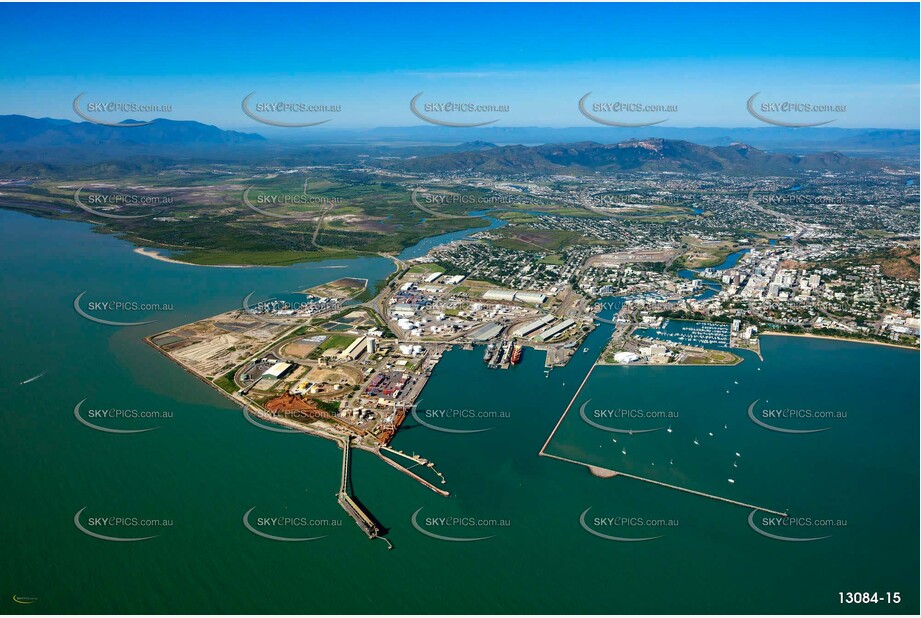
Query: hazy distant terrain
{"x": 636, "y": 155}
{"x": 62, "y": 142}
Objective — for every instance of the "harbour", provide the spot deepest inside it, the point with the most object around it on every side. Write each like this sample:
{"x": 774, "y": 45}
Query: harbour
{"x": 559, "y": 311}
{"x": 207, "y": 465}
{"x": 609, "y": 473}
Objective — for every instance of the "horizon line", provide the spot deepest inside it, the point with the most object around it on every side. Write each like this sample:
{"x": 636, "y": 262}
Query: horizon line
{"x": 330, "y": 129}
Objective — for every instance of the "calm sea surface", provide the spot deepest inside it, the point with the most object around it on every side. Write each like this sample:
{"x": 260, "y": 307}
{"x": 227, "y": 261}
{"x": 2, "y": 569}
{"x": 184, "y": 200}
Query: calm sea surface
{"x": 189, "y": 482}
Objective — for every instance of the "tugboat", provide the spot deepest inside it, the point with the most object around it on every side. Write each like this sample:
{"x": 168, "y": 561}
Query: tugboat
{"x": 516, "y": 354}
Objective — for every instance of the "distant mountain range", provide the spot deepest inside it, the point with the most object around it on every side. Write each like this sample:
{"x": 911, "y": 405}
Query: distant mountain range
{"x": 874, "y": 142}
{"x": 26, "y": 132}
{"x": 633, "y": 155}
{"x": 46, "y": 146}
{"x": 25, "y": 139}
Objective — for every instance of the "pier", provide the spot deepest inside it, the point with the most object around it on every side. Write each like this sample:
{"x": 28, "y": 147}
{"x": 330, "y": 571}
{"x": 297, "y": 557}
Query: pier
{"x": 409, "y": 472}
{"x": 347, "y": 502}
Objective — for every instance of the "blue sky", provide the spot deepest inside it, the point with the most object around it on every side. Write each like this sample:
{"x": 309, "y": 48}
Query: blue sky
{"x": 538, "y": 59}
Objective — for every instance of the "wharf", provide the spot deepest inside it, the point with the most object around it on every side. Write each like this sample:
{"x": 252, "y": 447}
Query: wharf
{"x": 348, "y": 503}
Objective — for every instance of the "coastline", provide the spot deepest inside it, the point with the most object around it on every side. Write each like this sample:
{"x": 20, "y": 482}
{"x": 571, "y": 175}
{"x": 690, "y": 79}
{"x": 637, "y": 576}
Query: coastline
{"x": 606, "y": 364}
{"x": 156, "y": 255}
{"x": 829, "y": 337}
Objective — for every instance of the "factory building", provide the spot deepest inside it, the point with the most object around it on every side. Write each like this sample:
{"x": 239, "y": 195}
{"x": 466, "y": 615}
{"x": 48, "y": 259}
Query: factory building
{"x": 553, "y": 331}
{"x": 526, "y": 329}
{"x": 534, "y": 298}
{"x": 499, "y": 295}
{"x": 355, "y": 349}
{"x": 402, "y": 309}
{"x": 487, "y": 332}
{"x": 278, "y": 370}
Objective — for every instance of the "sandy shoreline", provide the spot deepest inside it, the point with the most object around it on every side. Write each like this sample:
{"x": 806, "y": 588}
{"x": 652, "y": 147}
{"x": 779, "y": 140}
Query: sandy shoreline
{"x": 808, "y": 336}
{"x": 152, "y": 253}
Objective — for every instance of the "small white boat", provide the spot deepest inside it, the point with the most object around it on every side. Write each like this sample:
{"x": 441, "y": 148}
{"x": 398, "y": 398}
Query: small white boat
{"x": 710, "y": 433}
{"x": 725, "y": 426}
{"x": 731, "y": 480}
{"x": 671, "y": 462}
{"x": 614, "y": 440}
{"x": 33, "y": 378}
{"x": 695, "y": 441}
{"x": 735, "y": 382}
{"x": 737, "y": 455}
{"x": 624, "y": 450}
{"x": 669, "y": 430}
{"x": 735, "y": 464}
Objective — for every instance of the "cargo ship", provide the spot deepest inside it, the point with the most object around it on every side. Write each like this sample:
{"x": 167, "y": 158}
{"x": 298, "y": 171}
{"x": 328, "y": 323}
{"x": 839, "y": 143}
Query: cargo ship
{"x": 516, "y": 354}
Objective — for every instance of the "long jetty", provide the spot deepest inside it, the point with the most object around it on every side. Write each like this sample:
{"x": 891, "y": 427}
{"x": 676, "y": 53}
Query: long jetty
{"x": 355, "y": 511}
{"x": 406, "y": 470}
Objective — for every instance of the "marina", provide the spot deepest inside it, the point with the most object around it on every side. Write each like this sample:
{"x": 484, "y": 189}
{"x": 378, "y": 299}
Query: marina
{"x": 698, "y": 334}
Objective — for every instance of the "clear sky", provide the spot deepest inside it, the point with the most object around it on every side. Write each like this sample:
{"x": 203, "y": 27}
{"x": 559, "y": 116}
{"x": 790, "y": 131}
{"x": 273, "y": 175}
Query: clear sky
{"x": 538, "y": 59}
